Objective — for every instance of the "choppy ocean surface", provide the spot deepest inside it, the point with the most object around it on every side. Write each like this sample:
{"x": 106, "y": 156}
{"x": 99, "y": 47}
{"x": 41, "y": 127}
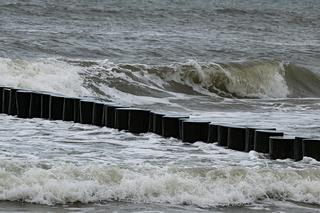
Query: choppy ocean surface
{"x": 243, "y": 62}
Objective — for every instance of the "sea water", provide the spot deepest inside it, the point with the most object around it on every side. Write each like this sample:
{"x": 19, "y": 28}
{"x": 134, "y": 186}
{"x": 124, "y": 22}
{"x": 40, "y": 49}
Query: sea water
{"x": 244, "y": 62}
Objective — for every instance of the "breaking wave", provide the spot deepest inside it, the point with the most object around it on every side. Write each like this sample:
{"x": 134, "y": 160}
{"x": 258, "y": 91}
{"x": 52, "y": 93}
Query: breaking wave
{"x": 43, "y": 75}
{"x": 203, "y": 187}
{"x": 253, "y": 79}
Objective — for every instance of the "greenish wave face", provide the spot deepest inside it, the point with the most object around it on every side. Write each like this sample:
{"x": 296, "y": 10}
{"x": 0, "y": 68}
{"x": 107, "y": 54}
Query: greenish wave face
{"x": 263, "y": 79}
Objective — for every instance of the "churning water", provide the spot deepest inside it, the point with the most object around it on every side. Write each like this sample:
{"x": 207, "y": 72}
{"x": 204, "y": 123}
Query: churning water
{"x": 237, "y": 62}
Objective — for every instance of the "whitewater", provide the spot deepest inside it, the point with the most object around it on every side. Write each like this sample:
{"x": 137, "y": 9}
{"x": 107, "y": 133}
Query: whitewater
{"x": 57, "y": 163}
{"x": 248, "y": 63}
{"x": 53, "y": 165}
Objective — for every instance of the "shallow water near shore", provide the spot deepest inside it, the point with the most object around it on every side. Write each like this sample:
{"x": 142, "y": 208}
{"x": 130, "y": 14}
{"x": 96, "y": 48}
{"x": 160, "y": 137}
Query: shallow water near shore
{"x": 129, "y": 207}
{"x": 59, "y": 163}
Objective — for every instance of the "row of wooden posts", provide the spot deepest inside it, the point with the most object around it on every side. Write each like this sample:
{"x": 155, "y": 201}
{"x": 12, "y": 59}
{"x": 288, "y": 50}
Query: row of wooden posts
{"x": 32, "y": 104}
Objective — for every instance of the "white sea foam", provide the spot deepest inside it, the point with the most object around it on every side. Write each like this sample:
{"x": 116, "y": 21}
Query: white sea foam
{"x": 202, "y": 174}
{"x": 43, "y": 75}
{"x": 202, "y": 187}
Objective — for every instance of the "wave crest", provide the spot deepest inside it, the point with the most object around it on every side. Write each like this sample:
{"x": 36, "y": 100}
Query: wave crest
{"x": 243, "y": 80}
{"x": 43, "y": 75}
{"x": 252, "y": 79}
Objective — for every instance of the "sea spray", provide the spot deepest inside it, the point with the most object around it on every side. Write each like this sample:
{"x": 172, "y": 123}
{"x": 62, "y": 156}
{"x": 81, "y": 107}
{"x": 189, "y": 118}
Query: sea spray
{"x": 49, "y": 75}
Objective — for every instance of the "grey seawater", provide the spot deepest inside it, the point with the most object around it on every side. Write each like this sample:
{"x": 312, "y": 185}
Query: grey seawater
{"x": 162, "y": 32}
{"x": 244, "y": 62}
{"x": 62, "y": 166}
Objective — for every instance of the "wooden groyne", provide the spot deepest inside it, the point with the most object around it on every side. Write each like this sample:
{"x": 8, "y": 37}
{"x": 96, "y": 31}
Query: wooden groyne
{"x": 33, "y": 104}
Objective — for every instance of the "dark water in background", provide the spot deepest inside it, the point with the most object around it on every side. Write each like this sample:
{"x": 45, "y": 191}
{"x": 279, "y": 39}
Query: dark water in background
{"x": 162, "y": 32}
{"x": 239, "y": 62}
{"x": 272, "y": 39}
